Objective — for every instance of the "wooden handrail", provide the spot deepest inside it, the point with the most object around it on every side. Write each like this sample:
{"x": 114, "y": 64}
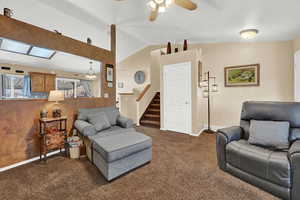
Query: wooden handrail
{"x": 143, "y": 93}
{"x": 130, "y": 93}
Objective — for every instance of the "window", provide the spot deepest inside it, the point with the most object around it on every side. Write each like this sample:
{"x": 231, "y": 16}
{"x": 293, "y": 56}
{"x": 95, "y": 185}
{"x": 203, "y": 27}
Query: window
{"x": 42, "y": 52}
{"x": 12, "y": 86}
{"x": 84, "y": 88}
{"x": 14, "y": 46}
{"x": 74, "y": 88}
{"x": 68, "y": 86}
{"x": 26, "y": 49}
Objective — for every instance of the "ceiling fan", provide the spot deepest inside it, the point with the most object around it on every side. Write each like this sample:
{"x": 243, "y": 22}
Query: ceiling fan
{"x": 158, "y": 6}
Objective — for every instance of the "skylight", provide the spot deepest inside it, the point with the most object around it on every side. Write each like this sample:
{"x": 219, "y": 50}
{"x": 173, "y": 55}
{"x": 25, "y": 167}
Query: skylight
{"x": 26, "y": 49}
{"x": 41, "y": 52}
{"x": 14, "y": 46}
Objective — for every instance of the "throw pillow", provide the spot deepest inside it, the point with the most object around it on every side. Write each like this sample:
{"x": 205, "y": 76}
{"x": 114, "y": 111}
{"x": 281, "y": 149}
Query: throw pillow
{"x": 271, "y": 134}
{"x": 99, "y": 120}
{"x": 124, "y": 122}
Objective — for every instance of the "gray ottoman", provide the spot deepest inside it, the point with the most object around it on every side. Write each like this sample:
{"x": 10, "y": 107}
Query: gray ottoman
{"x": 118, "y": 154}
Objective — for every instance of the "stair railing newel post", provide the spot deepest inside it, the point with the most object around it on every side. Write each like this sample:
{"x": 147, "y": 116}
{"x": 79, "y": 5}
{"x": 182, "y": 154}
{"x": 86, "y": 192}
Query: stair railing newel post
{"x": 209, "y": 88}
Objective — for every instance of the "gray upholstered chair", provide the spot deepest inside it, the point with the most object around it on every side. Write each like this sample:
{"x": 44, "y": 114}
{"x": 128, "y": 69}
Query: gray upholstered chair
{"x": 276, "y": 171}
{"x": 111, "y": 141}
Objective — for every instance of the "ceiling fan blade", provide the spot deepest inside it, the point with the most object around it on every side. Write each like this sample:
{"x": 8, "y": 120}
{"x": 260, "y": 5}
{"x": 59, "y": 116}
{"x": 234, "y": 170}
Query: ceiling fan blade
{"x": 153, "y": 15}
{"x": 187, "y": 4}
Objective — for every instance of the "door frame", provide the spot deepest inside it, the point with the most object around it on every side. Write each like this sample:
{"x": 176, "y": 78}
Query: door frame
{"x": 296, "y": 77}
{"x": 189, "y": 67}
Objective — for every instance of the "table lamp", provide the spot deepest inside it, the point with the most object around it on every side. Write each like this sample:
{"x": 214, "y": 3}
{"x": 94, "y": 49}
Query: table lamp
{"x": 56, "y": 96}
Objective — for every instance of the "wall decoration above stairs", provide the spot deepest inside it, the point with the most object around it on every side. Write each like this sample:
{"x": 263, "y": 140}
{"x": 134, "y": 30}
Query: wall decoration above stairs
{"x": 151, "y": 117}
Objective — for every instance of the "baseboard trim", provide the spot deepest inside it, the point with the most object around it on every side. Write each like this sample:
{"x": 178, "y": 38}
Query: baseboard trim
{"x": 213, "y": 127}
{"x": 196, "y": 134}
{"x": 27, "y": 161}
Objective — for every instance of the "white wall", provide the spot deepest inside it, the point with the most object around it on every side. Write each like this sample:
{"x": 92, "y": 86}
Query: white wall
{"x": 276, "y": 80}
{"x": 74, "y": 21}
{"x": 275, "y": 58}
{"x": 126, "y": 69}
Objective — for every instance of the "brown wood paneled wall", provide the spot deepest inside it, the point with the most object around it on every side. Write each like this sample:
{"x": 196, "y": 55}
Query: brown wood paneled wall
{"x": 19, "y": 125}
{"x": 19, "y": 118}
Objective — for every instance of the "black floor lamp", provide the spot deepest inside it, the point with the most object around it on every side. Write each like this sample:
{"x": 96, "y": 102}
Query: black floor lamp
{"x": 209, "y": 87}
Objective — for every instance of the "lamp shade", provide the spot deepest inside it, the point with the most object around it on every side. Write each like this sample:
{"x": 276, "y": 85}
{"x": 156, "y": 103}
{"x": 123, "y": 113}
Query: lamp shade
{"x": 56, "y": 96}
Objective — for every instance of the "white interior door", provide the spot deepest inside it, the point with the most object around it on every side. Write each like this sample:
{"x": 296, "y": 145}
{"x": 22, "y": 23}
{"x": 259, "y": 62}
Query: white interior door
{"x": 297, "y": 76}
{"x": 178, "y": 97}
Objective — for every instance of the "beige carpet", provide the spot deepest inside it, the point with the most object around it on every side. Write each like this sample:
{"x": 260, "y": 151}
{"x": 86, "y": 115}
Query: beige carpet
{"x": 183, "y": 168}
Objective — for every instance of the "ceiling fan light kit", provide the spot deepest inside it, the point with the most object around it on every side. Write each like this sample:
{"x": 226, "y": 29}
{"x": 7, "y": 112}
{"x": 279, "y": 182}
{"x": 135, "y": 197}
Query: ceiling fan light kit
{"x": 162, "y": 9}
{"x": 152, "y": 5}
{"x": 160, "y": 6}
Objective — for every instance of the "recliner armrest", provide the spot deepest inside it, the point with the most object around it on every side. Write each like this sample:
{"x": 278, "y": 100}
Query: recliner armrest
{"x": 124, "y": 122}
{"x": 295, "y": 148}
{"x": 225, "y": 136}
{"x": 294, "y": 157}
{"x": 85, "y": 128}
{"x": 232, "y": 133}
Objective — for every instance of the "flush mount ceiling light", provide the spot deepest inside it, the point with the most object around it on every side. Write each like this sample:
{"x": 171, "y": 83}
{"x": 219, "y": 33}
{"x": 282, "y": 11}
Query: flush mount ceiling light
{"x": 249, "y": 33}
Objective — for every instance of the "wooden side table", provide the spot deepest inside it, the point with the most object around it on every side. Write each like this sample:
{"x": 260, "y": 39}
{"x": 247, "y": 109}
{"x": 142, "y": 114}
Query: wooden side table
{"x": 52, "y": 139}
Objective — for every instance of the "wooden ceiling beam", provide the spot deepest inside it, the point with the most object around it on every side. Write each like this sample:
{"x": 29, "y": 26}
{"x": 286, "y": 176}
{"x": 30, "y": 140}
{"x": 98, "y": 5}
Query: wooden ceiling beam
{"x": 17, "y": 30}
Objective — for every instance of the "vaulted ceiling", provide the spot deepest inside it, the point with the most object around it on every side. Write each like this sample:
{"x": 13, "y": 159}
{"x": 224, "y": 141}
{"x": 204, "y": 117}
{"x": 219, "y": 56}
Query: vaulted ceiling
{"x": 213, "y": 21}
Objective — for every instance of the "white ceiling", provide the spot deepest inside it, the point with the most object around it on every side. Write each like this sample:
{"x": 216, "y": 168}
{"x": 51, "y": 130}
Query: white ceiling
{"x": 213, "y": 21}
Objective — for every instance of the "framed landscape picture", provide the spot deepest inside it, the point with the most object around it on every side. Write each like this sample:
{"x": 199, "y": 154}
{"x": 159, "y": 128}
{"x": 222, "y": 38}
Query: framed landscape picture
{"x": 242, "y": 76}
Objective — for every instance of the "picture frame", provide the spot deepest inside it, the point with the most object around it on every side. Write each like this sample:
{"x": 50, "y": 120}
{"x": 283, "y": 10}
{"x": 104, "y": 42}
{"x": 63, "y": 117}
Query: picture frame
{"x": 242, "y": 76}
{"x": 109, "y": 73}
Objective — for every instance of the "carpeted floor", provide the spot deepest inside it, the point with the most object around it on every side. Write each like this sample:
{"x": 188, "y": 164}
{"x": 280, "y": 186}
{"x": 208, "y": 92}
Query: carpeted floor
{"x": 183, "y": 168}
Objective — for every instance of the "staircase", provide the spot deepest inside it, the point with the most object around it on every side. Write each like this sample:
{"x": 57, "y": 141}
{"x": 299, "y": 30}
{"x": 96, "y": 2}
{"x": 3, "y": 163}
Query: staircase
{"x": 151, "y": 117}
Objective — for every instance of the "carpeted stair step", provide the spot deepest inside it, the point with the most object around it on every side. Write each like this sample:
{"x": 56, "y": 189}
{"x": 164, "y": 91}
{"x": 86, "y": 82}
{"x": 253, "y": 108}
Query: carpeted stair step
{"x": 150, "y": 123}
{"x": 152, "y": 117}
{"x": 153, "y": 111}
{"x": 154, "y": 105}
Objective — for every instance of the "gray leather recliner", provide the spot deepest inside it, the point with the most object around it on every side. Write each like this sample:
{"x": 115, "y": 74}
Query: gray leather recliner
{"x": 277, "y": 172}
